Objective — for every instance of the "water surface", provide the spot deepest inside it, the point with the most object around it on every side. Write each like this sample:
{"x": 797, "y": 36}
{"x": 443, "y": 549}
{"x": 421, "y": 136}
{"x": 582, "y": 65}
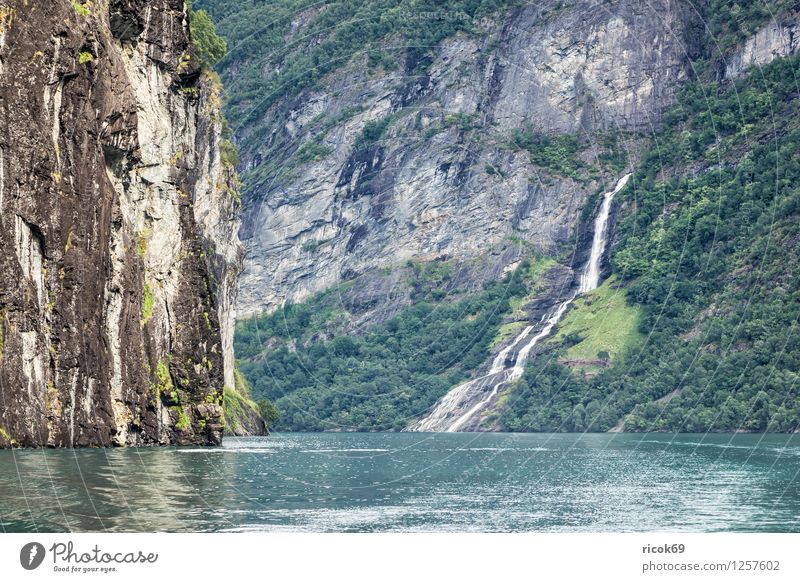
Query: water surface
{"x": 413, "y": 482}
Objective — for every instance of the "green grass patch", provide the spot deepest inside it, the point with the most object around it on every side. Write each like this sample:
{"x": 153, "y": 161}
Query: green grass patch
{"x": 81, "y": 9}
{"x": 164, "y": 386}
{"x": 506, "y": 331}
{"x": 228, "y": 153}
{"x": 184, "y": 423}
{"x": 604, "y": 322}
{"x": 148, "y": 304}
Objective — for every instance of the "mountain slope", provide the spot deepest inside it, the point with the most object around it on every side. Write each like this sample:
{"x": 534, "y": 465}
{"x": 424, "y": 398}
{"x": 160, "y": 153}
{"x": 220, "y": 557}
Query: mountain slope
{"x": 707, "y": 246}
{"x": 373, "y": 133}
{"x": 494, "y": 151}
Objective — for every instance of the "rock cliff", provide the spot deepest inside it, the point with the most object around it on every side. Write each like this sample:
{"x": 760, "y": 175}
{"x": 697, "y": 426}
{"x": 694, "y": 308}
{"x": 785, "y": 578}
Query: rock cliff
{"x": 119, "y": 257}
{"x": 380, "y": 165}
{"x": 779, "y": 37}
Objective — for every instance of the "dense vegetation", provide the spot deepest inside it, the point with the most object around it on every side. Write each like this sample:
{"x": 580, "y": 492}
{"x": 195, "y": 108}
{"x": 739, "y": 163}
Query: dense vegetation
{"x": 558, "y": 153}
{"x": 729, "y": 22}
{"x": 211, "y": 48}
{"x": 602, "y": 325}
{"x": 380, "y": 380}
{"x": 710, "y": 256}
{"x": 241, "y": 411}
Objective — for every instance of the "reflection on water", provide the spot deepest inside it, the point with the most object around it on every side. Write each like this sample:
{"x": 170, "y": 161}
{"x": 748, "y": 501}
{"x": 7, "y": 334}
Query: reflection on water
{"x": 411, "y": 482}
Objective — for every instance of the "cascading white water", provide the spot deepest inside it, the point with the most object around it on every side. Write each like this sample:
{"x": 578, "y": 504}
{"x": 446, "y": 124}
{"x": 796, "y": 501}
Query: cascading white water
{"x": 590, "y": 278}
{"x": 455, "y": 397}
{"x": 517, "y": 367}
{"x": 440, "y": 418}
{"x": 519, "y": 361}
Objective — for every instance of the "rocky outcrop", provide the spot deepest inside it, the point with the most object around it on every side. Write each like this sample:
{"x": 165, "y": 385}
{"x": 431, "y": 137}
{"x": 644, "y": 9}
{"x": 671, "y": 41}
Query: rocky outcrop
{"x": 119, "y": 258}
{"x": 780, "y": 37}
{"x": 242, "y": 416}
{"x": 436, "y": 175}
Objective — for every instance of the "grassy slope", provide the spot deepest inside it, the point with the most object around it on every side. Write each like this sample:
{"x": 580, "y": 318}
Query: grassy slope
{"x": 604, "y": 321}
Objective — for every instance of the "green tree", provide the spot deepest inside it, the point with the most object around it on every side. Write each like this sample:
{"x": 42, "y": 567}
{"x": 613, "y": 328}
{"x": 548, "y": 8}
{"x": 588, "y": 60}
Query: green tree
{"x": 268, "y": 412}
{"x": 211, "y": 48}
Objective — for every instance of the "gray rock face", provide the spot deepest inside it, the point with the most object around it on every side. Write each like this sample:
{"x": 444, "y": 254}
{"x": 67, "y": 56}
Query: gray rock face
{"x": 443, "y": 180}
{"x": 778, "y": 38}
{"x": 118, "y": 253}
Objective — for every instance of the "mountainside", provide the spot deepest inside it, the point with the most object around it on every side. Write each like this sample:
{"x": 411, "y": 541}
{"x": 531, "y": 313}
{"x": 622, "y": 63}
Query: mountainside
{"x": 400, "y": 153}
{"x": 422, "y": 182}
{"x": 707, "y": 247}
{"x": 118, "y": 223}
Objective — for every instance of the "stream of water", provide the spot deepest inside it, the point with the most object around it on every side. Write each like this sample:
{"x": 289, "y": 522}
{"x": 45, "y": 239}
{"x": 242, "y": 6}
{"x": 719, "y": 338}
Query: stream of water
{"x": 462, "y": 403}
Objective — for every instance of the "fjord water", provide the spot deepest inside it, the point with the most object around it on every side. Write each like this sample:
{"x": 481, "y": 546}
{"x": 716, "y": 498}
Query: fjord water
{"x": 413, "y": 482}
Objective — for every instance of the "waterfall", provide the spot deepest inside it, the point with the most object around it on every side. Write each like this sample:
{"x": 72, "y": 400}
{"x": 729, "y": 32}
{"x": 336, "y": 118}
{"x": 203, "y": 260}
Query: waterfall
{"x": 590, "y": 278}
{"x": 519, "y": 361}
{"x": 509, "y": 364}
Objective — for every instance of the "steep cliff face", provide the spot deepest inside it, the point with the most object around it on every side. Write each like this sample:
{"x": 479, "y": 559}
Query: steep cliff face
{"x": 119, "y": 257}
{"x": 420, "y": 162}
{"x": 780, "y": 37}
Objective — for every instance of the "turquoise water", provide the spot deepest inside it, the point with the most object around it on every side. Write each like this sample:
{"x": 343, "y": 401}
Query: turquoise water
{"x": 412, "y": 482}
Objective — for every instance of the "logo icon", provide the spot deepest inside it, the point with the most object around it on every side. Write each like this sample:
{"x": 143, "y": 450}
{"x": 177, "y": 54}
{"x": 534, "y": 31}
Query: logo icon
{"x": 31, "y": 555}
